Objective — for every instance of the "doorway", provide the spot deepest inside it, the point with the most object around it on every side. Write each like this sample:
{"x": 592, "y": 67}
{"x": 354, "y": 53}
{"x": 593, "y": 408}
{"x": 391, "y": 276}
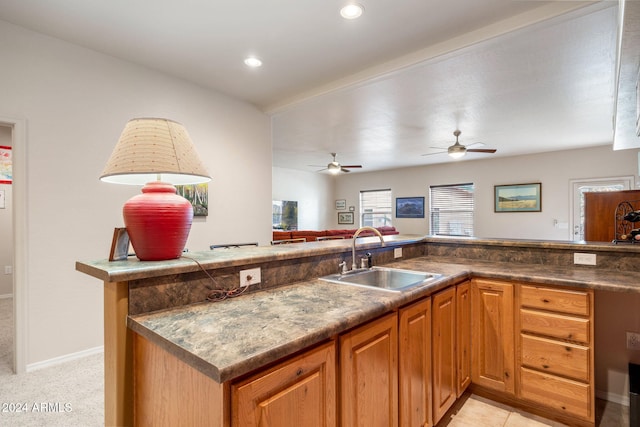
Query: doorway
{"x": 6, "y": 251}
{"x": 581, "y": 186}
{"x": 18, "y": 240}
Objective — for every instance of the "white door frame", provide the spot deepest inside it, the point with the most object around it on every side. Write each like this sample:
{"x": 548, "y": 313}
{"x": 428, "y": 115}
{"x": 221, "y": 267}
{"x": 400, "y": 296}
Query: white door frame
{"x": 20, "y": 242}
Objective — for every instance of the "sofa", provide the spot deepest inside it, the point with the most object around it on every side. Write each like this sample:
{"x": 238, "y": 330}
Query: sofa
{"x": 314, "y": 235}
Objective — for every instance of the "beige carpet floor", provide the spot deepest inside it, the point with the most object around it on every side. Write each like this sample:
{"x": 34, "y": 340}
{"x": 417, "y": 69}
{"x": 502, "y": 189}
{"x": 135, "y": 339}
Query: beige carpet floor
{"x": 67, "y": 395}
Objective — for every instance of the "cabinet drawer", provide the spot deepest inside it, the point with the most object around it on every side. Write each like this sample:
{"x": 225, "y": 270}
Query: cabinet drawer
{"x": 563, "y": 301}
{"x": 568, "y": 397}
{"x": 555, "y": 325}
{"x": 569, "y": 360}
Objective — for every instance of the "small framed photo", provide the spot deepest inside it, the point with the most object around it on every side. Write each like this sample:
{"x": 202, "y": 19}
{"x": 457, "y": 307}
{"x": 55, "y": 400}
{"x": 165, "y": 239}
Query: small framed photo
{"x": 345, "y": 217}
{"x": 119, "y": 245}
{"x": 409, "y": 207}
{"x": 518, "y": 198}
{"x": 341, "y": 204}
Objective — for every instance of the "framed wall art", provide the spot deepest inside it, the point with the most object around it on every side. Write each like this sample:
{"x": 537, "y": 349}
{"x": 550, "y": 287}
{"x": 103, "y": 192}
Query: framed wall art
{"x": 198, "y": 195}
{"x": 6, "y": 173}
{"x": 518, "y": 198}
{"x": 341, "y": 204}
{"x": 409, "y": 207}
{"x": 345, "y": 217}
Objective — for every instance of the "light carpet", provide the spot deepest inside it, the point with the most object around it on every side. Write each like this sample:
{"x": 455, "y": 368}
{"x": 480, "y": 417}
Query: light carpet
{"x": 67, "y": 395}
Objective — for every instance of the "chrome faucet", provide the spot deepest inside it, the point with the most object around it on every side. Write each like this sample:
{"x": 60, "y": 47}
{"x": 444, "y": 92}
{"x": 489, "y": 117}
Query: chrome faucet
{"x": 355, "y": 236}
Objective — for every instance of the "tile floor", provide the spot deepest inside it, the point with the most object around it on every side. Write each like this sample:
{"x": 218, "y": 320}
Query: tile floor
{"x": 476, "y": 411}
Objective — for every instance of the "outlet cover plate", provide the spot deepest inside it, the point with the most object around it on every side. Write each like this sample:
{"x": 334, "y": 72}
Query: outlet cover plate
{"x": 250, "y": 276}
{"x": 582, "y": 258}
{"x": 633, "y": 340}
{"x": 397, "y": 253}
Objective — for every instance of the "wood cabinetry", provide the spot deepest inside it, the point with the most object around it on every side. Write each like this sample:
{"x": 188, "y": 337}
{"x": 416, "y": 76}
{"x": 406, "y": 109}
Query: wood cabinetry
{"x": 298, "y": 392}
{"x": 369, "y": 374}
{"x": 556, "y": 349}
{"x": 443, "y": 324}
{"x": 415, "y": 364}
{"x": 492, "y": 318}
{"x": 463, "y": 326}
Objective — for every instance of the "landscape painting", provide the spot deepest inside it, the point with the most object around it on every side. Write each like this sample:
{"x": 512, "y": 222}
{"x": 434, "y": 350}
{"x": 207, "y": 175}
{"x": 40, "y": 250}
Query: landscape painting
{"x": 518, "y": 198}
{"x": 198, "y": 195}
{"x": 409, "y": 207}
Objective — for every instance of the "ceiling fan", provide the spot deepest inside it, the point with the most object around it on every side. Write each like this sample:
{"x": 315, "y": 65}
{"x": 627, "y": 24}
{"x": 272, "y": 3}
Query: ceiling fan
{"x": 335, "y": 167}
{"x": 458, "y": 150}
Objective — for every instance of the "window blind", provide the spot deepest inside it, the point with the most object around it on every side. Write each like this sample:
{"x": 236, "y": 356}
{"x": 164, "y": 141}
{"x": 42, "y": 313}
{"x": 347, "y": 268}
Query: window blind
{"x": 375, "y": 208}
{"x": 451, "y": 209}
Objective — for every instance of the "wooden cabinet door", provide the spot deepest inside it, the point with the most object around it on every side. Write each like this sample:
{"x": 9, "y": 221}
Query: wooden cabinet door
{"x": 493, "y": 339}
{"x": 463, "y": 326}
{"x": 369, "y": 374}
{"x": 299, "y": 392}
{"x": 415, "y": 365}
{"x": 443, "y": 322}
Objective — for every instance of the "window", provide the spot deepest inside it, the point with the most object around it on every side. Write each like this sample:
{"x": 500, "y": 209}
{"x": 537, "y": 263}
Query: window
{"x": 375, "y": 208}
{"x": 451, "y": 209}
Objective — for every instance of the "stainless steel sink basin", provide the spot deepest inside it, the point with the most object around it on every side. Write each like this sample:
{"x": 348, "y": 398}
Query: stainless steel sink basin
{"x": 389, "y": 279}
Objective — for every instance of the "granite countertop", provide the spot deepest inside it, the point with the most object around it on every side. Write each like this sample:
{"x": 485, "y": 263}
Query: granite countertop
{"x": 230, "y": 338}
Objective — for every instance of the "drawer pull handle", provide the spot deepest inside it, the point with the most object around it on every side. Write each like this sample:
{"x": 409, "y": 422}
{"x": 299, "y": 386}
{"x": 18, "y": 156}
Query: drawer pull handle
{"x": 546, "y": 301}
{"x": 299, "y": 372}
{"x": 545, "y": 366}
{"x": 506, "y": 374}
{"x": 568, "y": 348}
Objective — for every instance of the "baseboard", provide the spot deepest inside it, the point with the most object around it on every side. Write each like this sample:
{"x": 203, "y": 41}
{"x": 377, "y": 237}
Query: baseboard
{"x": 63, "y": 359}
{"x": 6, "y": 296}
{"x": 613, "y": 397}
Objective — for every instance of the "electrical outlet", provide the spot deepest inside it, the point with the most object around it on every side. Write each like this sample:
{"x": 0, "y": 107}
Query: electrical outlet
{"x": 397, "y": 253}
{"x": 584, "y": 259}
{"x": 250, "y": 277}
{"x": 633, "y": 340}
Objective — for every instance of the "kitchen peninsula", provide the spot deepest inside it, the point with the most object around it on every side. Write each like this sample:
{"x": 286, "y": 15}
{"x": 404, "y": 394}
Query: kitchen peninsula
{"x": 221, "y": 346}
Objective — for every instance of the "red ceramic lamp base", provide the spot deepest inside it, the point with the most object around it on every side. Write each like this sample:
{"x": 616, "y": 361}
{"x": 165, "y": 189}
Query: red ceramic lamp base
{"x": 158, "y": 222}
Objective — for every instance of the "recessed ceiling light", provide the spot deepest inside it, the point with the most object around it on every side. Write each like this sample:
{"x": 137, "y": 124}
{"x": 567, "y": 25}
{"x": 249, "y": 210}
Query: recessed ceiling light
{"x": 253, "y": 62}
{"x": 352, "y": 11}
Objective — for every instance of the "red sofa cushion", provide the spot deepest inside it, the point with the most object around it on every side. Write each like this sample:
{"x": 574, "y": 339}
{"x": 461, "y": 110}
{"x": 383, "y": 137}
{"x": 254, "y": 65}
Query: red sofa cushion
{"x": 281, "y": 235}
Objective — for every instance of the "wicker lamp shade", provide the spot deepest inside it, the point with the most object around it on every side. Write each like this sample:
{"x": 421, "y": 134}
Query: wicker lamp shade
{"x": 148, "y": 152}
{"x": 154, "y": 149}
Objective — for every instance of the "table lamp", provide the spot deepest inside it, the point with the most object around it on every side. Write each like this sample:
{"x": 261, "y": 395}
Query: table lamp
{"x": 156, "y": 153}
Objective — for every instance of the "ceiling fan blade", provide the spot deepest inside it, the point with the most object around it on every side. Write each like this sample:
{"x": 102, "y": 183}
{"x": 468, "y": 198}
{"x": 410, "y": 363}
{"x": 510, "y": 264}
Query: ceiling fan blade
{"x": 481, "y": 150}
{"x": 344, "y": 170}
{"x": 431, "y": 154}
{"x": 351, "y": 166}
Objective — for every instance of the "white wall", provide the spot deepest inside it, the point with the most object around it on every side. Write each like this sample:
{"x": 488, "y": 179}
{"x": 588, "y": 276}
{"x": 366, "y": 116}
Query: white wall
{"x": 75, "y": 103}
{"x": 6, "y": 226}
{"x": 554, "y": 170}
{"x": 313, "y": 192}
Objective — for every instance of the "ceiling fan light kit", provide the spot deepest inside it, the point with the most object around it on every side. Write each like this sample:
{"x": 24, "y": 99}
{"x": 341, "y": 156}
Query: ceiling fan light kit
{"x": 458, "y": 150}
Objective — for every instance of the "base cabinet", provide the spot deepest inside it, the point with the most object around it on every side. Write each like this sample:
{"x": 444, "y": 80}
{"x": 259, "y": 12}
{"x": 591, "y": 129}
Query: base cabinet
{"x": 298, "y": 392}
{"x": 415, "y": 365}
{"x": 444, "y": 352}
{"x": 369, "y": 374}
{"x": 556, "y": 363}
{"x": 463, "y": 344}
{"x": 493, "y": 335}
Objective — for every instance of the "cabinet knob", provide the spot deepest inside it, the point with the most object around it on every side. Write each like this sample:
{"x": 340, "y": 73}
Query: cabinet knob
{"x": 299, "y": 371}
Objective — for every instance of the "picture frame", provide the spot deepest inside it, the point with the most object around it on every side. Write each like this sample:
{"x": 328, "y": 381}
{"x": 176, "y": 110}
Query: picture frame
{"x": 6, "y": 172}
{"x": 345, "y": 217}
{"x": 409, "y": 207}
{"x": 341, "y": 204}
{"x": 197, "y": 195}
{"x": 518, "y": 197}
{"x": 119, "y": 245}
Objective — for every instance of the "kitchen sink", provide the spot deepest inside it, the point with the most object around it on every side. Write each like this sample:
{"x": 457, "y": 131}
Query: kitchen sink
{"x": 385, "y": 278}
